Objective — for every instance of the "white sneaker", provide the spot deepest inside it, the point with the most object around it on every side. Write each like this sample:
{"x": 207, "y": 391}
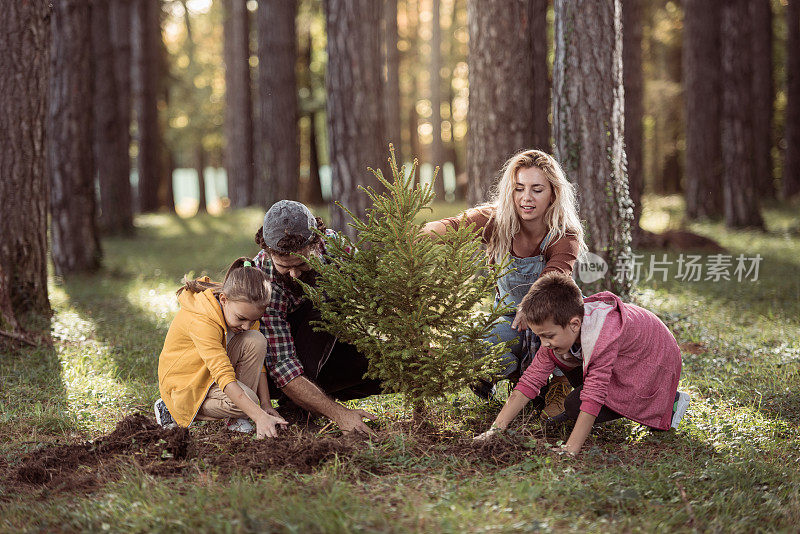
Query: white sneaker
{"x": 242, "y": 425}
{"x": 163, "y": 417}
{"x": 679, "y": 408}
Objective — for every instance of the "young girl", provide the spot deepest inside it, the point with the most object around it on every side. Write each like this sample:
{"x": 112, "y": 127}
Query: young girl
{"x": 212, "y": 364}
{"x": 621, "y": 359}
{"x": 533, "y": 220}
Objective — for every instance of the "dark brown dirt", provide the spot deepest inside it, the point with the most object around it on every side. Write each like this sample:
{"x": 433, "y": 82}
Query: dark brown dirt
{"x": 138, "y": 442}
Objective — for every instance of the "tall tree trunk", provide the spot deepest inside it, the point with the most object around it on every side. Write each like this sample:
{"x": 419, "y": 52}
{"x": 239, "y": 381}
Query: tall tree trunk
{"x": 239, "y": 163}
{"x": 634, "y": 108}
{"x": 436, "y": 153}
{"x": 588, "y": 109}
{"x": 110, "y": 135}
{"x": 75, "y": 243}
{"x": 278, "y": 149}
{"x": 394, "y": 122}
{"x": 540, "y": 91}
{"x": 314, "y": 193}
{"x": 763, "y": 96}
{"x": 24, "y": 63}
{"x": 411, "y": 56}
{"x": 702, "y": 86}
{"x": 166, "y": 191}
{"x": 500, "y": 77}
{"x": 147, "y": 36}
{"x": 355, "y": 103}
{"x": 791, "y": 166}
{"x": 739, "y": 190}
{"x": 311, "y": 191}
{"x": 200, "y": 166}
{"x": 413, "y": 124}
{"x": 454, "y": 57}
{"x": 121, "y": 13}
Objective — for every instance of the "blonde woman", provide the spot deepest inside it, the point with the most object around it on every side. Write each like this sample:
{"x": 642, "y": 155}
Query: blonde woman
{"x": 532, "y": 219}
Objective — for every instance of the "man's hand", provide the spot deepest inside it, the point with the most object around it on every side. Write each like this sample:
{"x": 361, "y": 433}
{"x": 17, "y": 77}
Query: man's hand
{"x": 352, "y": 420}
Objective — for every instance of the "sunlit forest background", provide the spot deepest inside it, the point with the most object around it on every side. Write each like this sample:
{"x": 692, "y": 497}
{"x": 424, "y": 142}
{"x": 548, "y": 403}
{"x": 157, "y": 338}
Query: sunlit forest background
{"x": 193, "y": 105}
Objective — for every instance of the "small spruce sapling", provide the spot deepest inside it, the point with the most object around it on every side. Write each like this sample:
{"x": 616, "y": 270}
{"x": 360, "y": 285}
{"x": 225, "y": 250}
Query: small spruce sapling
{"x": 407, "y": 301}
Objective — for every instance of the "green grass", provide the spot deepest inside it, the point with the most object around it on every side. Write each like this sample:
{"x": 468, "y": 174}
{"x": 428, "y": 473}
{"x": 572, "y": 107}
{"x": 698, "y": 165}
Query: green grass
{"x": 732, "y": 467}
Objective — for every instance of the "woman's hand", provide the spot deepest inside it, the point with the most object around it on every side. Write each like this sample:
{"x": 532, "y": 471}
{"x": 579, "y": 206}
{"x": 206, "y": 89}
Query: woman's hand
{"x": 266, "y": 425}
{"x": 519, "y": 323}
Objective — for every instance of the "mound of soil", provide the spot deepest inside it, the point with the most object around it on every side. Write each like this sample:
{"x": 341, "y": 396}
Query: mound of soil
{"x": 138, "y": 441}
{"x": 69, "y": 466}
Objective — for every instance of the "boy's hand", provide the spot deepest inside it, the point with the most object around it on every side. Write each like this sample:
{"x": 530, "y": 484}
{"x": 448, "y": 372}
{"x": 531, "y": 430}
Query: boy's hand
{"x": 489, "y": 434}
{"x": 266, "y": 425}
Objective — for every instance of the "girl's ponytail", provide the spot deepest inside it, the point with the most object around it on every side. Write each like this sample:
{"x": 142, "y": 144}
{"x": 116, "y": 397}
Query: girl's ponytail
{"x": 198, "y": 286}
{"x": 243, "y": 282}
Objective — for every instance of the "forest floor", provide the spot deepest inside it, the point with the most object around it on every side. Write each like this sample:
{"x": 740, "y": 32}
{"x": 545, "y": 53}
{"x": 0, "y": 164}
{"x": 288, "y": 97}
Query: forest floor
{"x": 79, "y": 450}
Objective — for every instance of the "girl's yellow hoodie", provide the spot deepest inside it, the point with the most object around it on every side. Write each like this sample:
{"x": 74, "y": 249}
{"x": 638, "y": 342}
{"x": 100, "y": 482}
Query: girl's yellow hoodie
{"x": 194, "y": 355}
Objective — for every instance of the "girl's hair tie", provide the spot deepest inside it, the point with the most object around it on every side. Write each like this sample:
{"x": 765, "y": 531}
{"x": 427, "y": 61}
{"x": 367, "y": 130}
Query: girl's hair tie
{"x": 247, "y": 264}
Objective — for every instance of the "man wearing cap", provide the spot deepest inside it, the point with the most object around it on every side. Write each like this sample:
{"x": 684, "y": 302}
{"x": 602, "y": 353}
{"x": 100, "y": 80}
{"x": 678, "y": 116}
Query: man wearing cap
{"x": 306, "y": 366}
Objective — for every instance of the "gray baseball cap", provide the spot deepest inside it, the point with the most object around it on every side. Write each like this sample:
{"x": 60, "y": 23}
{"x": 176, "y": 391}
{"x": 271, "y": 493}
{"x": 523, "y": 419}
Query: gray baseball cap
{"x": 287, "y": 218}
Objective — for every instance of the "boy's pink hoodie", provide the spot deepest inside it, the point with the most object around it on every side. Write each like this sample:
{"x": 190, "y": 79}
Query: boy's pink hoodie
{"x": 631, "y": 362}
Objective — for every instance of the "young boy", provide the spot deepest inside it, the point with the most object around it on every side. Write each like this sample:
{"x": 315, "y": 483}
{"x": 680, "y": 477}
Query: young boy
{"x": 620, "y": 358}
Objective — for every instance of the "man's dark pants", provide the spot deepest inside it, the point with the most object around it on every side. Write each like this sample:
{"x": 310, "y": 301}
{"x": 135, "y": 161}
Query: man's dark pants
{"x": 337, "y": 368}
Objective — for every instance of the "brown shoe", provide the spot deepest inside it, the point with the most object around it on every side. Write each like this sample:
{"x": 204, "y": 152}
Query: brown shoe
{"x": 554, "y": 399}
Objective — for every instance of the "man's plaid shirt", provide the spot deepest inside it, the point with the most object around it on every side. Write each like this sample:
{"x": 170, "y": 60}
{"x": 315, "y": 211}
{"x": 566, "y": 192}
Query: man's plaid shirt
{"x": 282, "y": 362}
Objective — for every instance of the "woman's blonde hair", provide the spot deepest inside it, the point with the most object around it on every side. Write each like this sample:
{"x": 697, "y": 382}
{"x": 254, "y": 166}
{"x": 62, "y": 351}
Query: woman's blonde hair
{"x": 241, "y": 284}
{"x": 561, "y": 215}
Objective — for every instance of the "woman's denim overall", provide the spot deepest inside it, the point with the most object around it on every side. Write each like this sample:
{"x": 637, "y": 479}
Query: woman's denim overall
{"x": 511, "y": 288}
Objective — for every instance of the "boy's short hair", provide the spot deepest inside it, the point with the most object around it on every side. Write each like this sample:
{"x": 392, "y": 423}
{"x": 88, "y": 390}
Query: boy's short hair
{"x": 554, "y": 296}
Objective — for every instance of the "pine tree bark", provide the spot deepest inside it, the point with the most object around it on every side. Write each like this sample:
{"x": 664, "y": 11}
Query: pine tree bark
{"x": 411, "y": 54}
{"x": 200, "y": 167}
{"x": 740, "y": 190}
{"x": 75, "y": 245}
{"x": 588, "y": 116}
{"x": 500, "y": 77}
{"x": 239, "y": 163}
{"x": 314, "y": 183}
{"x": 394, "y": 121}
{"x": 355, "y": 103}
{"x": 110, "y": 132}
{"x": 121, "y": 14}
{"x": 634, "y": 108}
{"x": 791, "y": 166}
{"x": 24, "y": 62}
{"x": 146, "y": 35}
{"x": 278, "y": 149}
{"x": 763, "y": 96}
{"x": 437, "y": 152}
{"x": 542, "y": 86}
{"x": 702, "y": 73}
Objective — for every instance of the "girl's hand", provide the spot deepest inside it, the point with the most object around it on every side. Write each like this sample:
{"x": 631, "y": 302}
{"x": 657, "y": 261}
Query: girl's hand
{"x": 272, "y": 411}
{"x": 489, "y": 434}
{"x": 266, "y": 425}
